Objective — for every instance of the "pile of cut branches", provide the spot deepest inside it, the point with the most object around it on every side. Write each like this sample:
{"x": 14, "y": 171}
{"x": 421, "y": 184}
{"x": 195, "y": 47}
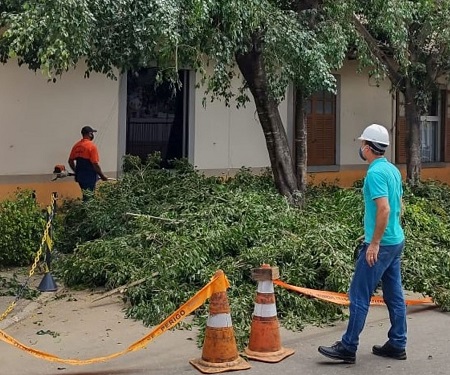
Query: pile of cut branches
{"x": 175, "y": 228}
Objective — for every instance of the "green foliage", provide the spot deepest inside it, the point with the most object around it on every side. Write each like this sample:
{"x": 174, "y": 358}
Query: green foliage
{"x": 204, "y": 35}
{"x": 427, "y": 230}
{"x": 21, "y": 228}
{"x": 415, "y": 41}
{"x": 189, "y": 225}
{"x": 63, "y": 29}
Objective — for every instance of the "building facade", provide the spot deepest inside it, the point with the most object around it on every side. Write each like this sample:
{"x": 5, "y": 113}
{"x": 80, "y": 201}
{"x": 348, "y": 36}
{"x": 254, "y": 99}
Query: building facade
{"x": 41, "y": 120}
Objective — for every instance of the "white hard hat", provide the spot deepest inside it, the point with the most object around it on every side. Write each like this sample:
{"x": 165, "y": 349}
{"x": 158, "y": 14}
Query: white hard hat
{"x": 377, "y": 134}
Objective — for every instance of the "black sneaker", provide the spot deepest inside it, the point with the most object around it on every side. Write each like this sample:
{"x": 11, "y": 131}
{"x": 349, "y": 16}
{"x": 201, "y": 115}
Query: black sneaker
{"x": 338, "y": 352}
{"x": 387, "y": 350}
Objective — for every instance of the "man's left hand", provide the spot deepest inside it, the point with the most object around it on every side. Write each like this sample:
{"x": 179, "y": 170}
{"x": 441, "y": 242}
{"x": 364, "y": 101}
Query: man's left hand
{"x": 372, "y": 254}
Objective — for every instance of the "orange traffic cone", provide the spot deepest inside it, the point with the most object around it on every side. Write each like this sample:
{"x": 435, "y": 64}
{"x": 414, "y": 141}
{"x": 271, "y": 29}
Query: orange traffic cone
{"x": 220, "y": 352}
{"x": 264, "y": 344}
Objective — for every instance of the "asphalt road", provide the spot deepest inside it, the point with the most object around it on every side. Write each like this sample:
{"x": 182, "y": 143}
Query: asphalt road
{"x": 70, "y": 325}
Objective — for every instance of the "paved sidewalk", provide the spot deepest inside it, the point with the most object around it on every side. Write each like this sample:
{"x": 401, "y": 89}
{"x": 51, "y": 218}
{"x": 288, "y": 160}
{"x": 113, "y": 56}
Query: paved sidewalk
{"x": 23, "y": 306}
{"x": 76, "y": 327}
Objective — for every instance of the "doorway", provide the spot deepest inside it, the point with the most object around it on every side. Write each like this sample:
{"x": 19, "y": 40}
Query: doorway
{"x": 157, "y": 116}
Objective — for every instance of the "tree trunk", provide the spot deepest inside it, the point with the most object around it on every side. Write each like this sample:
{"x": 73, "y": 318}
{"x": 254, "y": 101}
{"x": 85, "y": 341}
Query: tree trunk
{"x": 412, "y": 113}
{"x": 251, "y": 65}
{"x": 413, "y": 148}
{"x": 301, "y": 145}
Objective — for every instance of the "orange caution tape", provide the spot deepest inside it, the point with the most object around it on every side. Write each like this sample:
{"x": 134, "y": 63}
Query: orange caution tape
{"x": 342, "y": 298}
{"x": 218, "y": 283}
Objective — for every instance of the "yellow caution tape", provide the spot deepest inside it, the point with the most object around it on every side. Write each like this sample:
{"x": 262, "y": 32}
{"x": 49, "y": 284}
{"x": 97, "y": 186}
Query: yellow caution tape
{"x": 218, "y": 283}
{"x": 342, "y": 298}
{"x": 49, "y": 241}
{"x": 10, "y": 308}
{"x": 46, "y": 239}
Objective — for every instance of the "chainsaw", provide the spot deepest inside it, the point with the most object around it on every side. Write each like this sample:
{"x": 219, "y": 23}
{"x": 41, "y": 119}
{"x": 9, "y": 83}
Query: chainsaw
{"x": 60, "y": 171}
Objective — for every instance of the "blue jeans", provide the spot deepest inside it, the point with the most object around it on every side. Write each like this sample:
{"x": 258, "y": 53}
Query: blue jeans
{"x": 365, "y": 280}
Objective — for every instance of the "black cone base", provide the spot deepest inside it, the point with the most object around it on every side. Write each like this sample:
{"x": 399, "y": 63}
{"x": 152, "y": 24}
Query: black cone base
{"x": 48, "y": 284}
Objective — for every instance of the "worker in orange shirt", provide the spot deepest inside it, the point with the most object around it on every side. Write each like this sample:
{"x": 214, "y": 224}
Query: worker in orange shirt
{"x": 84, "y": 161}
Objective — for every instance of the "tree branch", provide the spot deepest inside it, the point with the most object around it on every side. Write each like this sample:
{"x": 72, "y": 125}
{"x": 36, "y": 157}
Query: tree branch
{"x": 153, "y": 217}
{"x": 390, "y": 65}
{"x": 308, "y": 4}
{"x": 432, "y": 67}
{"x": 123, "y": 288}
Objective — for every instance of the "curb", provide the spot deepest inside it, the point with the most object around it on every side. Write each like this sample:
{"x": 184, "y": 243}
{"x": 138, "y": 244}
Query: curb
{"x": 26, "y": 311}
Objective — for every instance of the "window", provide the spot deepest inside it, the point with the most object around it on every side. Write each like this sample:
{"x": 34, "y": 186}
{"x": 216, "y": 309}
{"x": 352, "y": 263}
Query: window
{"x": 432, "y": 129}
{"x": 156, "y": 116}
{"x": 321, "y": 127}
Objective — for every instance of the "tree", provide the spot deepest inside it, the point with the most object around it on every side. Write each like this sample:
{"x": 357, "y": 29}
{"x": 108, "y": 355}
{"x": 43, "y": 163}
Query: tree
{"x": 272, "y": 42}
{"x": 323, "y": 18}
{"x": 410, "y": 40}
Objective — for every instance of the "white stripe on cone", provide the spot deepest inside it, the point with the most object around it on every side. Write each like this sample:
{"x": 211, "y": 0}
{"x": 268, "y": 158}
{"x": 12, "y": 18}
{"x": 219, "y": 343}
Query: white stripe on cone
{"x": 265, "y": 311}
{"x": 265, "y": 287}
{"x": 219, "y": 321}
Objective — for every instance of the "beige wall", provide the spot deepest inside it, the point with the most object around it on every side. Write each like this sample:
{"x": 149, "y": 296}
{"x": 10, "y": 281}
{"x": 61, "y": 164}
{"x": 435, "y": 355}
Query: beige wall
{"x": 40, "y": 121}
{"x": 227, "y": 138}
{"x": 362, "y": 103}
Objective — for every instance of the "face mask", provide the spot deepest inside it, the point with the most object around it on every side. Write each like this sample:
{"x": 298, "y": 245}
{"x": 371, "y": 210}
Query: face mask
{"x": 91, "y": 136}
{"x": 361, "y": 155}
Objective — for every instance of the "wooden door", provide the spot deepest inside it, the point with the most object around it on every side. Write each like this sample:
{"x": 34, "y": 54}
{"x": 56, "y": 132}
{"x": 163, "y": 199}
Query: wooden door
{"x": 321, "y": 127}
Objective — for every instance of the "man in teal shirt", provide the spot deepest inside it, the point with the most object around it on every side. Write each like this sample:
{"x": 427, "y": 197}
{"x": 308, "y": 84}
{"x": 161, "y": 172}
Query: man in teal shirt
{"x": 380, "y": 256}
{"x": 383, "y": 180}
